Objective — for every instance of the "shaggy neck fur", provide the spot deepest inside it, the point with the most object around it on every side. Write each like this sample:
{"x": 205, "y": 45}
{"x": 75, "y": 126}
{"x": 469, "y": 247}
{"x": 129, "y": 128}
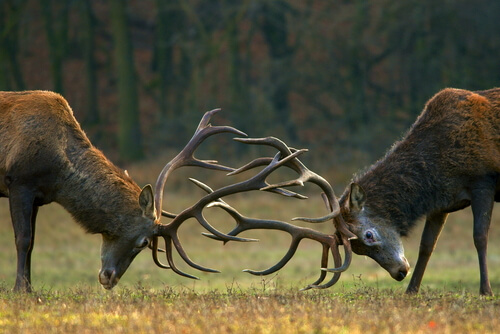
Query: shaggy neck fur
{"x": 96, "y": 192}
{"x": 401, "y": 188}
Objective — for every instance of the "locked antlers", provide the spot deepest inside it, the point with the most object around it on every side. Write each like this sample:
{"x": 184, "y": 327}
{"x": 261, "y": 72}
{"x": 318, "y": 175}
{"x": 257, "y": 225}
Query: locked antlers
{"x": 287, "y": 157}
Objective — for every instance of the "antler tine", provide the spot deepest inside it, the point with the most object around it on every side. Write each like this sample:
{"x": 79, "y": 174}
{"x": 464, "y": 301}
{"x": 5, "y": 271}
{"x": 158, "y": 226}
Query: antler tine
{"x": 264, "y": 162}
{"x": 203, "y": 186}
{"x": 348, "y": 257}
{"x": 186, "y": 156}
{"x": 168, "y": 247}
{"x": 182, "y": 253}
{"x": 322, "y": 274}
{"x": 281, "y": 263}
{"x": 305, "y": 175}
{"x": 251, "y": 165}
{"x": 155, "y": 249}
{"x": 324, "y": 262}
{"x": 332, "y": 203}
{"x": 169, "y": 234}
{"x": 268, "y": 141}
{"x": 297, "y": 233}
{"x": 186, "y": 258}
{"x": 168, "y": 214}
{"x": 204, "y": 222}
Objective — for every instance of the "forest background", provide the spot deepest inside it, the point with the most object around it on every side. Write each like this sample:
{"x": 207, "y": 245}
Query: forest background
{"x": 342, "y": 78}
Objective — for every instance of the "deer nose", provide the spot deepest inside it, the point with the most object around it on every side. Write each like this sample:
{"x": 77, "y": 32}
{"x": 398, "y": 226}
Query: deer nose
{"x": 400, "y": 270}
{"x": 401, "y": 275}
{"x": 403, "y": 270}
{"x": 108, "y": 278}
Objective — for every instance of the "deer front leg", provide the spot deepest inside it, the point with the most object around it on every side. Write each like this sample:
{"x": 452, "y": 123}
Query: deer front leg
{"x": 432, "y": 229}
{"x": 23, "y": 213}
{"x": 482, "y": 206}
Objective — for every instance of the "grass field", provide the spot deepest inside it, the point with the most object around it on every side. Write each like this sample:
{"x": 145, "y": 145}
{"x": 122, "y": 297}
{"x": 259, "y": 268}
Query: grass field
{"x": 68, "y": 298}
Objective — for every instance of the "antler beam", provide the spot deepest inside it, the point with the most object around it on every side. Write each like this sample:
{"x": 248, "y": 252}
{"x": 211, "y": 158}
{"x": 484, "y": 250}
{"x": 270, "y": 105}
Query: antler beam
{"x": 287, "y": 157}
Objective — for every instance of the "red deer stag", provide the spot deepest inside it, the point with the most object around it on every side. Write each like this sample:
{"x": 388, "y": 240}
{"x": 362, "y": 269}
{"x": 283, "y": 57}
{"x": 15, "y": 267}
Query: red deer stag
{"x": 449, "y": 159}
{"x": 46, "y": 157}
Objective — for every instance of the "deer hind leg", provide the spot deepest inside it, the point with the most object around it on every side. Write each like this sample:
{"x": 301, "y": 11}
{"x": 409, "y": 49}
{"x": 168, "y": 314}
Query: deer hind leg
{"x": 23, "y": 213}
{"x": 482, "y": 206}
{"x": 433, "y": 226}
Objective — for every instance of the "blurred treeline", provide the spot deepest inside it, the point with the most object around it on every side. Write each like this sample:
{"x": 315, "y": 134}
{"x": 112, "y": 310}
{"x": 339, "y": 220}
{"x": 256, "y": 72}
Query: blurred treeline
{"x": 342, "y": 78}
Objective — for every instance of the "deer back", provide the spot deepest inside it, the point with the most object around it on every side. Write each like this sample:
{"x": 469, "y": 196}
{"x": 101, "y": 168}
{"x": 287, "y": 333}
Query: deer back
{"x": 44, "y": 148}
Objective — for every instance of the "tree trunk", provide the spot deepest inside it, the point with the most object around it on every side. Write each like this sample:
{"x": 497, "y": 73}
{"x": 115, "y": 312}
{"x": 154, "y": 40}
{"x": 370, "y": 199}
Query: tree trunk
{"x": 10, "y": 16}
{"x": 275, "y": 31}
{"x": 57, "y": 36}
{"x": 239, "y": 102}
{"x": 88, "y": 29}
{"x": 129, "y": 134}
{"x": 169, "y": 17}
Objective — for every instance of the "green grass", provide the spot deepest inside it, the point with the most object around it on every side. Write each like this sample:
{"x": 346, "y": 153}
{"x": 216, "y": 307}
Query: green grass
{"x": 68, "y": 298}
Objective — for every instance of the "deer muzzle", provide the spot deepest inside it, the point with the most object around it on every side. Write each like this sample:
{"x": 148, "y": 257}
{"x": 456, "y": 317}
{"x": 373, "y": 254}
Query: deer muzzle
{"x": 108, "y": 278}
{"x": 401, "y": 271}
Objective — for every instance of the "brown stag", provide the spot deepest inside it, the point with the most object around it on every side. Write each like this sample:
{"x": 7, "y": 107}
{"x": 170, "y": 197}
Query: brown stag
{"x": 448, "y": 160}
{"x": 46, "y": 157}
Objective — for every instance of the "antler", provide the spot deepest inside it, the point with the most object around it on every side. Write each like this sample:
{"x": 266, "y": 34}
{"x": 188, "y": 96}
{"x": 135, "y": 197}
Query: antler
{"x": 329, "y": 242}
{"x": 186, "y": 158}
{"x": 286, "y": 157}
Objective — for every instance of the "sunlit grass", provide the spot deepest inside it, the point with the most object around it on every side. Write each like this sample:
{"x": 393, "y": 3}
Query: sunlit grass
{"x": 255, "y": 310}
{"x": 68, "y": 298}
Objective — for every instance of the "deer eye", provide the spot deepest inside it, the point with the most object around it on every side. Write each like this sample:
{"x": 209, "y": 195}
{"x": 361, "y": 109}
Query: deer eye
{"x": 143, "y": 244}
{"x": 369, "y": 236}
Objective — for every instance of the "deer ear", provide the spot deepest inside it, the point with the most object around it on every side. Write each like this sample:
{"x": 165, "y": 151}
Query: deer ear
{"x": 357, "y": 197}
{"x": 147, "y": 202}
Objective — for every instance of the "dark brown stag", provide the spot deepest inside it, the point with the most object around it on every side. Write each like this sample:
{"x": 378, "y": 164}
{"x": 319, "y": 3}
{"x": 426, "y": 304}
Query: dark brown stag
{"x": 449, "y": 159}
{"x": 46, "y": 157}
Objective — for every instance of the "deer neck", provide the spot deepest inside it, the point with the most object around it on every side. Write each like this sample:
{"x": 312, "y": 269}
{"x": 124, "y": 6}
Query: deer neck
{"x": 96, "y": 192}
{"x": 401, "y": 188}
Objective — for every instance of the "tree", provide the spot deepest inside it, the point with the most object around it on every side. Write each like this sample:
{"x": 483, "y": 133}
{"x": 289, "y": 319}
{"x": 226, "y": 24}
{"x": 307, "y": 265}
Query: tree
{"x": 88, "y": 40}
{"x": 10, "y": 70}
{"x": 169, "y": 19}
{"x": 56, "y": 27}
{"x": 274, "y": 27}
{"x": 129, "y": 133}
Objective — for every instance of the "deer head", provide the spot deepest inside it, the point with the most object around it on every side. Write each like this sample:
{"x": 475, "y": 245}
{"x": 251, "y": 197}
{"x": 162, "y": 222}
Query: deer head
{"x": 117, "y": 252}
{"x": 376, "y": 238}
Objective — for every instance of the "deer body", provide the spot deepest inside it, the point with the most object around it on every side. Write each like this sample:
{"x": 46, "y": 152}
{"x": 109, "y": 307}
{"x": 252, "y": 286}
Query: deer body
{"x": 46, "y": 157}
{"x": 449, "y": 159}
